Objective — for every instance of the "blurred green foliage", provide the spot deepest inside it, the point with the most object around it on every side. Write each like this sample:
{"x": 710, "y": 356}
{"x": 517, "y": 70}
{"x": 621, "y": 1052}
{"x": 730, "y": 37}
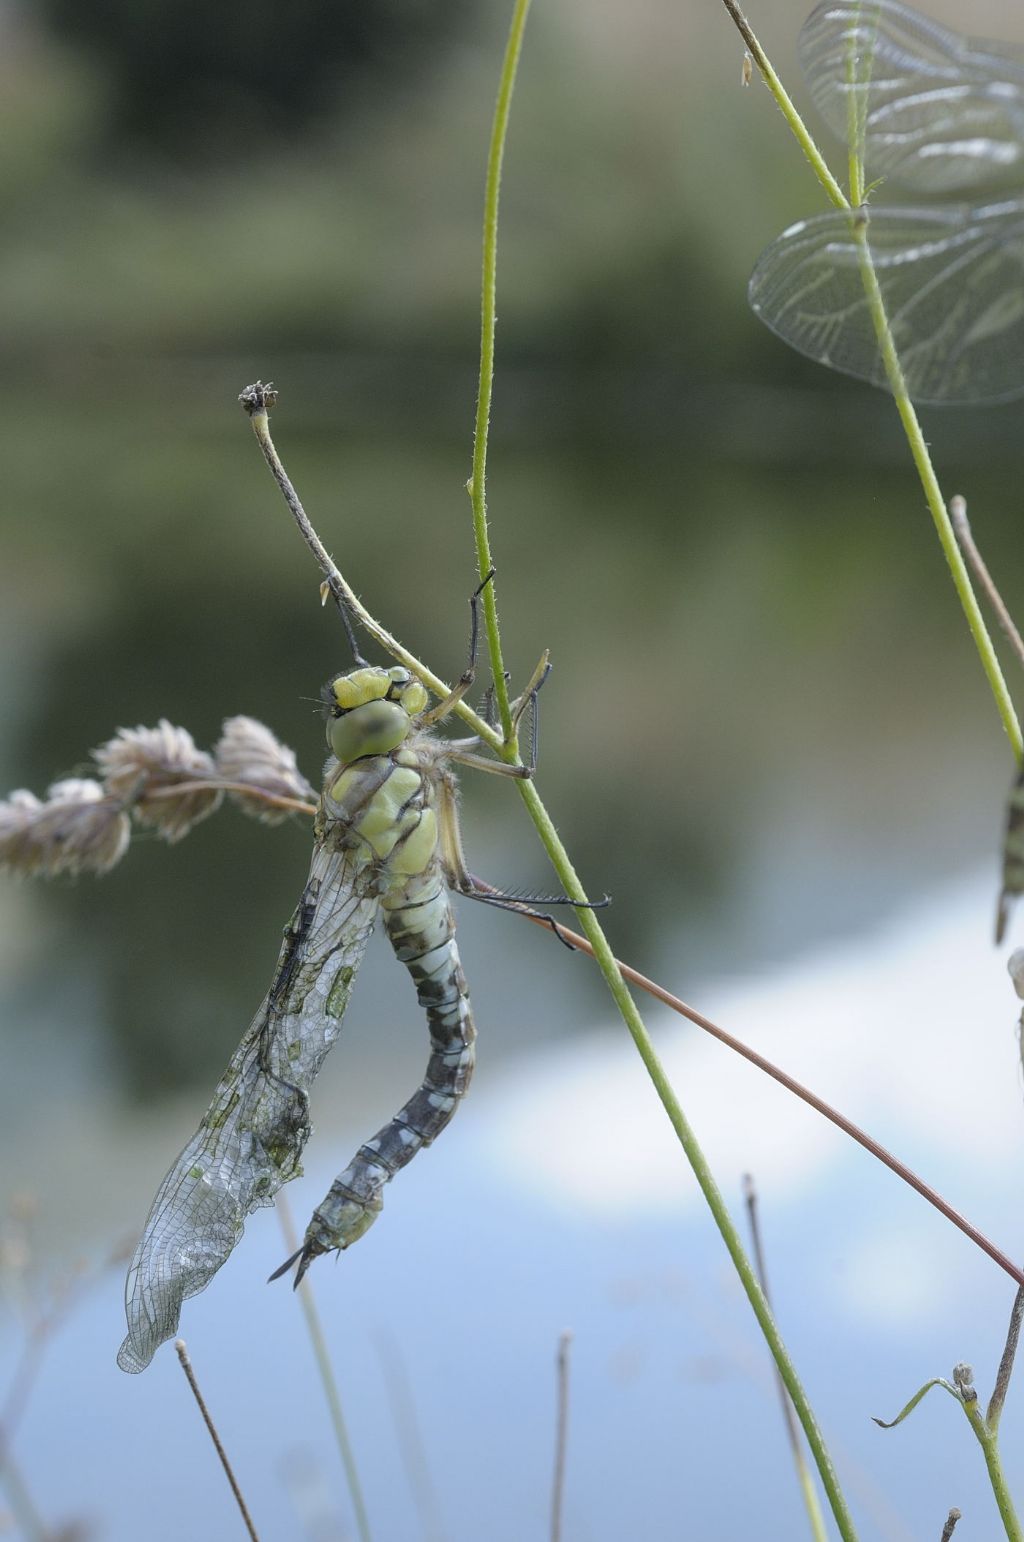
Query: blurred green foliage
{"x": 180, "y": 75}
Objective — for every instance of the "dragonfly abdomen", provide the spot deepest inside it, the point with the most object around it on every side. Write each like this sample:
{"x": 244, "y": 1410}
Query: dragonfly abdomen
{"x": 422, "y": 934}
{"x": 390, "y": 809}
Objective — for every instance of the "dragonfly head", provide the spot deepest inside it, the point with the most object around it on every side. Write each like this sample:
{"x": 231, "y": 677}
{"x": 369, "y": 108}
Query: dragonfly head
{"x": 370, "y": 711}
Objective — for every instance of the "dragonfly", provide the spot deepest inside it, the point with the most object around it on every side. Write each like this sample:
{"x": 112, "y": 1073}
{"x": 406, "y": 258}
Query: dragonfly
{"x": 386, "y": 844}
{"x": 942, "y": 116}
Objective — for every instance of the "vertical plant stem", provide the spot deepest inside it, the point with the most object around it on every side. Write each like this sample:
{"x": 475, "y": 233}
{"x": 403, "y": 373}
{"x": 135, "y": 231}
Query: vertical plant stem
{"x": 327, "y": 1377}
{"x": 488, "y": 319}
{"x": 561, "y": 1435}
{"x": 897, "y": 384}
{"x": 549, "y": 836}
{"x": 410, "y": 1439}
{"x": 989, "y": 1442}
{"x": 933, "y": 495}
{"x": 698, "y": 1162}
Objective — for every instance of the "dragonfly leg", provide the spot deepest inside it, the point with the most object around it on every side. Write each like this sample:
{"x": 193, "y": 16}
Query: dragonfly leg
{"x": 527, "y": 702}
{"x": 488, "y": 710}
{"x": 464, "y": 882}
{"x": 468, "y": 675}
{"x": 466, "y": 757}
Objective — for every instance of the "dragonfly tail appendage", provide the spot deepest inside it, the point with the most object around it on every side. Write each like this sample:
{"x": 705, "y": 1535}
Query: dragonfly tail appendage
{"x": 422, "y": 934}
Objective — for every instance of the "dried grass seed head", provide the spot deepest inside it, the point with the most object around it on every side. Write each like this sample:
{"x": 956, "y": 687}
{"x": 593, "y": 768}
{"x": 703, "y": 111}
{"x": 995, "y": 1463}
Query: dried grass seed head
{"x": 247, "y": 751}
{"x": 79, "y": 828}
{"x": 144, "y": 766}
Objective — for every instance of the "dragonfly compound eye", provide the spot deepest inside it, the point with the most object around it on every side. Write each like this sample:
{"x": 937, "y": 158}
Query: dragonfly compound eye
{"x": 371, "y": 729}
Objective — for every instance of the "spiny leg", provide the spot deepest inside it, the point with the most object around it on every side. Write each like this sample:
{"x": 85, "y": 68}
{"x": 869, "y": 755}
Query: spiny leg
{"x": 468, "y": 675}
{"x": 488, "y": 710}
{"x": 332, "y": 586}
{"x": 463, "y": 881}
{"x": 527, "y": 702}
{"x": 524, "y": 904}
{"x": 464, "y": 750}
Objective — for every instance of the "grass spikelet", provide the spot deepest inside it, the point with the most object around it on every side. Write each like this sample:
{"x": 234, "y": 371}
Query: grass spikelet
{"x": 142, "y": 766}
{"x": 78, "y": 828}
{"x": 247, "y": 751}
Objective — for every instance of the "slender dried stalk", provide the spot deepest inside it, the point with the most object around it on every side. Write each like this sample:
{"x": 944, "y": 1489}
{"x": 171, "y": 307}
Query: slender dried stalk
{"x": 327, "y": 1377}
{"x": 962, "y": 530}
{"x": 803, "y": 1472}
{"x": 190, "y": 1376}
{"x": 561, "y": 1435}
{"x": 872, "y": 1146}
{"x": 994, "y": 1412}
{"x": 410, "y": 1439}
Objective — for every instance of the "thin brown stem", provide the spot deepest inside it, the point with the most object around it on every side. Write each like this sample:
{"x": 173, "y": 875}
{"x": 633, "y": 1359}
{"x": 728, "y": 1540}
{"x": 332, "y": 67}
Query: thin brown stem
{"x": 217, "y": 784}
{"x": 746, "y": 32}
{"x": 962, "y": 529}
{"x": 190, "y": 1376}
{"x": 561, "y": 1435}
{"x": 634, "y": 977}
{"x": 950, "y": 1526}
{"x": 995, "y": 1408}
{"x": 257, "y": 400}
{"x": 789, "y": 112}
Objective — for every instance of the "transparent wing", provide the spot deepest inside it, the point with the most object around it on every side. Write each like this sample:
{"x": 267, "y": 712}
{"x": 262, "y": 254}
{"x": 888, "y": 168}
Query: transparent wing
{"x": 952, "y": 282}
{"x": 938, "y": 112}
{"x": 251, "y": 1137}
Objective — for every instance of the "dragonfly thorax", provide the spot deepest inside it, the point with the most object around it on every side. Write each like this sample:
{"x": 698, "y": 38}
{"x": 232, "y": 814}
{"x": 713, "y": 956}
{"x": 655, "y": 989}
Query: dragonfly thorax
{"x": 370, "y": 711}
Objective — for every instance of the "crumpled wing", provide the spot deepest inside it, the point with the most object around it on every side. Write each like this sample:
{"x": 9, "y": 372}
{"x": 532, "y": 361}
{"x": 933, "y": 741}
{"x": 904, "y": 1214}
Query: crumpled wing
{"x": 251, "y": 1137}
{"x": 937, "y": 112}
{"x": 952, "y": 282}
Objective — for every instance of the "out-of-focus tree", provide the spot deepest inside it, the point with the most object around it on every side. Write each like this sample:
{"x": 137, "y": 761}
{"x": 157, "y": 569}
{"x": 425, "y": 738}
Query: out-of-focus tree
{"x": 183, "y": 74}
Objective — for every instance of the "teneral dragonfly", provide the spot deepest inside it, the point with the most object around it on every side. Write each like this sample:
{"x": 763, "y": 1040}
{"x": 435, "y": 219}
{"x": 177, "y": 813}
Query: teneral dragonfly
{"x": 386, "y": 842}
{"x": 943, "y": 116}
